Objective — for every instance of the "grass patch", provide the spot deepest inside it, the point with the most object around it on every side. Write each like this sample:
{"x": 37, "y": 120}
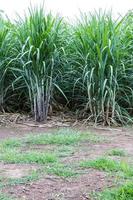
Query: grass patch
{"x": 30, "y": 157}
{"x": 124, "y": 192}
{"x": 106, "y": 164}
{"x": 59, "y": 139}
{"x": 117, "y": 152}
{"x": 128, "y": 170}
{"x": 4, "y": 197}
{"x": 10, "y": 143}
{"x": 61, "y": 170}
{"x": 62, "y": 137}
{"x": 102, "y": 164}
{"x": 64, "y": 151}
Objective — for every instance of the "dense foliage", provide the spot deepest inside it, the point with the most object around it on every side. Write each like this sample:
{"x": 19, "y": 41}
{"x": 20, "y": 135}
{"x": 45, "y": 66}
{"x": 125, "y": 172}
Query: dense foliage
{"x": 87, "y": 66}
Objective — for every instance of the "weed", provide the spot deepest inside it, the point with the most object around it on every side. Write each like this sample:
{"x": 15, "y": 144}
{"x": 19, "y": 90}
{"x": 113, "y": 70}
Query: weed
{"x": 61, "y": 170}
{"x": 108, "y": 165}
{"x": 11, "y": 143}
{"x": 117, "y": 152}
{"x": 125, "y": 192}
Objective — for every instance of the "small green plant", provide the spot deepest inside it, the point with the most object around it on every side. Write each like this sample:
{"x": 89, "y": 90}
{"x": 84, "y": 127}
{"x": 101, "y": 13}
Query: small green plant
{"x": 61, "y": 170}
{"x": 64, "y": 150}
{"x": 128, "y": 171}
{"x": 117, "y": 152}
{"x": 124, "y": 192}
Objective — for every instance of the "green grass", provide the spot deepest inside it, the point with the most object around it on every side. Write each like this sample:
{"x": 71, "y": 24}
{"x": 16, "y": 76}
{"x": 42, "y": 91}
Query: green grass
{"x": 13, "y": 156}
{"x": 64, "y": 150}
{"x": 117, "y": 152}
{"x": 61, "y": 170}
{"x": 126, "y": 169}
{"x": 108, "y": 165}
{"x": 59, "y": 139}
{"x": 4, "y": 197}
{"x": 124, "y": 192}
{"x": 63, "y": 137}
{"x": 11, "y": 143}
{"x": 102, "y": 164}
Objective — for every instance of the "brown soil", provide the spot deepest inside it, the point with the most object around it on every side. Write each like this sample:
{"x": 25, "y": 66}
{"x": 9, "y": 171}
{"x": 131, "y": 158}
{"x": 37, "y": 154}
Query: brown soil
{"x": 77, "y": 188}
{"x": 21, "y": 131}
{"x": 54, "y": 188}
{"x": 16, "y": 171}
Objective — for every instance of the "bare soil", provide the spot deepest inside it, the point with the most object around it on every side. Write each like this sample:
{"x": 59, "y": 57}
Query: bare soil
{"x": 54, "y": 188}
{"x": 51, "y": 187}
{"x": 16, "y": 171}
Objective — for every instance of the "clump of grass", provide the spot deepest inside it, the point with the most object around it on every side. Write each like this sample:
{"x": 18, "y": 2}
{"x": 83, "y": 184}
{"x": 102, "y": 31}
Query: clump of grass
{"x": 124, "y": 192}
{"x": 91, "y": 137}
{"x": 106, "y": 164}
{"x": 102, "y": 164}
{"x": 61, "y": 170}
{"x": 10, "y": 143}
{"x": 64, "y": 150}
{"x": 30, "y": 157}
{"x": 117, "y": 152}
{"x": 128, "y": 171}
{"x": 4, "y": 197}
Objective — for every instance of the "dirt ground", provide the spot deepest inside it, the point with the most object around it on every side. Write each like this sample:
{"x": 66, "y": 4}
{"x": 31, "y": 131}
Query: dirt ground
{"x": 51, "y": 187}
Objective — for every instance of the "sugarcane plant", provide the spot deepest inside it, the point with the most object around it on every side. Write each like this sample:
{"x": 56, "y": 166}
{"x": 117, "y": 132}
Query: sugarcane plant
{"x": 5, "y": 57}
{"x": 39, "y": 41}
{"x": 87, "y": 66}
{"x": 98, "y": 68}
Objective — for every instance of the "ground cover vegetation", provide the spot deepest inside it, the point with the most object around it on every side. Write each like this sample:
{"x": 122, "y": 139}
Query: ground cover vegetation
{"x": 28, "y": 162}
